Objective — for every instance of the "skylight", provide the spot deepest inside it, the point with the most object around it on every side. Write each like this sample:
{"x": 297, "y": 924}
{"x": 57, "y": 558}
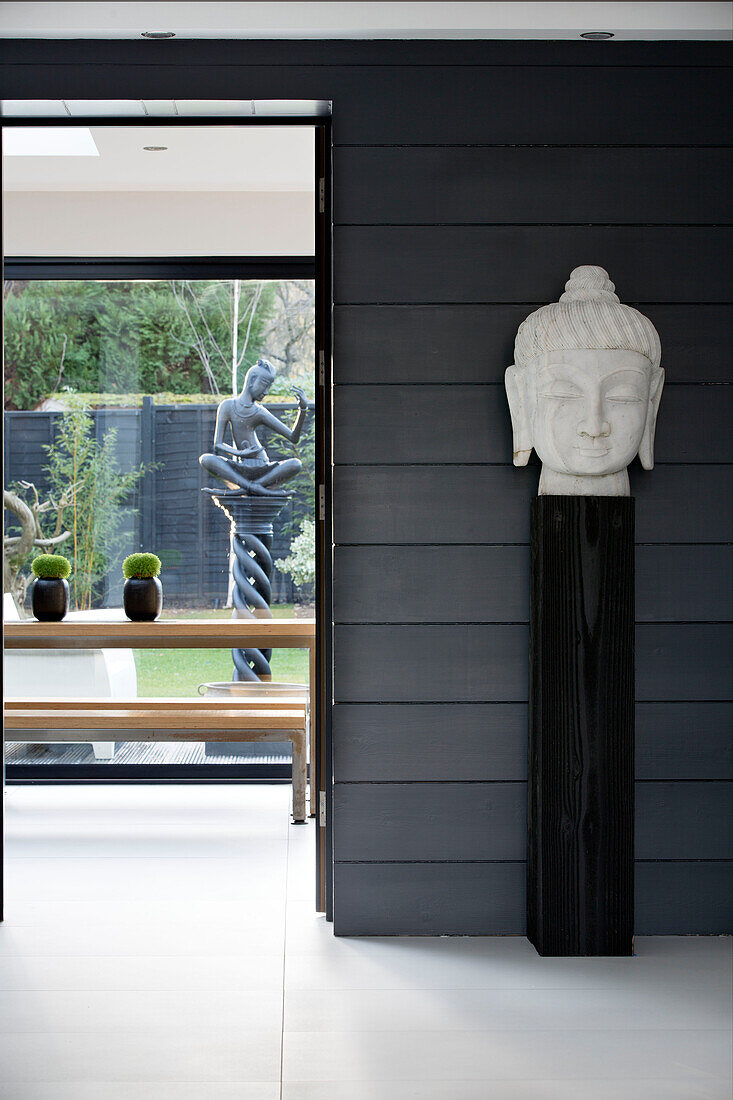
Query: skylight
{"x": 48, "y": 141}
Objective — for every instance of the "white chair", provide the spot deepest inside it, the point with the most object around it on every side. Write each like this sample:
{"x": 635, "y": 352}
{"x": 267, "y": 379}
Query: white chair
{"x": 69, "y": 673}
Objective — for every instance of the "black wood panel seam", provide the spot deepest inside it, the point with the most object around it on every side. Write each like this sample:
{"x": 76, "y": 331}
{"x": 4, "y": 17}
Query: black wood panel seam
{"x": 457, "y": 545}
{"x": 461, "y": 862}
{"x": 499, "y": 703}
{"x": 513, "y": 145}
{"x": 638, "y": 302}
{"x": 534, "y": 225}
{"x": 484, "y": 782}
{"x": 503, "y": 702}
{"x": 371, "y": 546}
{"x": 461, "y": 622}
{"x": 246, "y": 64}
{"x": 520, "y": 622}
{"x": 470, "y": 702}
{"x": 465, "y": 782}
{"x": 463, "y": 465}
{"x": 495, "y": 383}
{"x": 460, "y": 465}
{"x": 368, "y": 545}
{"x": 531, "y": 305}
{"x": 482, "y": 385}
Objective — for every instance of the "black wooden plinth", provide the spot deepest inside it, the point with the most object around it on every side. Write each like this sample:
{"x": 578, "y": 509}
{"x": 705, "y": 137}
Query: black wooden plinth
{"x": 580, "y": 871}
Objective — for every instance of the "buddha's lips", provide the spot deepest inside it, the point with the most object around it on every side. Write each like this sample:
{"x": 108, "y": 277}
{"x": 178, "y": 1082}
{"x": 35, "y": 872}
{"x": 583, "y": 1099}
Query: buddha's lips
{"x": 593, "y": 452}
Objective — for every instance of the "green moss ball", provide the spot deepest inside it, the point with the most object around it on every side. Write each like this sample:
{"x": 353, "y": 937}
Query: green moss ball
{"x": 141, "y": 565}
{"x": 51, "y": 567}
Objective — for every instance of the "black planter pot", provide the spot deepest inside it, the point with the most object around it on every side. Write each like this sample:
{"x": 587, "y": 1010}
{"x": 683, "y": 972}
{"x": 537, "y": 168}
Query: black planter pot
{"x": 142, "y": 598}
{"x": 50, "y": 599}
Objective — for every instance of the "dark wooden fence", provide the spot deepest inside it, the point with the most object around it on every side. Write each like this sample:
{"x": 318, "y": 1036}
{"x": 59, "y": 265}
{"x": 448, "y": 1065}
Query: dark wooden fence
{"x": 167, "y": 512}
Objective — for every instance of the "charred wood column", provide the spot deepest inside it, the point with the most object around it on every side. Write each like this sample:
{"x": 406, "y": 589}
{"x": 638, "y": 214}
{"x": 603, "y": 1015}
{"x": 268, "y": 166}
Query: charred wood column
{"x": 580, "y": 886}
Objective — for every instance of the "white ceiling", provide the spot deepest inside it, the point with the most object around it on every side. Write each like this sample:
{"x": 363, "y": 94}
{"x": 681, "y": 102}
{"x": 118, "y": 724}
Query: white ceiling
{"x": 198, "y": 158}
{"x": 367, "y": 20}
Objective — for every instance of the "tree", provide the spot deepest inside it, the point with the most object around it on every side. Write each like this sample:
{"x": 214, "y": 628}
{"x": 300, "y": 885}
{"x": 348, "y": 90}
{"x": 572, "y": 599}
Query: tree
{"x": 290, "y": 339}
{"x": 225, "y": 320}
{"x": 84, "y": 476}
{"x": 151, "y": 336}
{"x": 17, "y": 548}
{"x": 46, "y": 333}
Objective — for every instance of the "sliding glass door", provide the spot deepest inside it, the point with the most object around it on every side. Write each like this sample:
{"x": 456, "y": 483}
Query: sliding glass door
{"x": 111, "y": 393}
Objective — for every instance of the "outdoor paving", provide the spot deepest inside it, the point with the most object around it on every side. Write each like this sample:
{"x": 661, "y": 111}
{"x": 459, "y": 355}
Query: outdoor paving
{"x": 131, "y": 752}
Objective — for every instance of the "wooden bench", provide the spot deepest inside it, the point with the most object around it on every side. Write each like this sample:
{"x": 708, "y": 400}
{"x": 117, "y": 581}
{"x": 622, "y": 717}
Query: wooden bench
{"x": 282, "y": 718}
{"x": 184, "y": 634}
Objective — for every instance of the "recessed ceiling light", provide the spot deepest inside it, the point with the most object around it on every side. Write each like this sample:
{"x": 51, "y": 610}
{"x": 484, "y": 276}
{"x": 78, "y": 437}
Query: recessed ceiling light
{"x": 49, "y": 141}
{"x": 158, "y": 34}
{"x": 155, "y": 148}
{"x": 597, "y": 36}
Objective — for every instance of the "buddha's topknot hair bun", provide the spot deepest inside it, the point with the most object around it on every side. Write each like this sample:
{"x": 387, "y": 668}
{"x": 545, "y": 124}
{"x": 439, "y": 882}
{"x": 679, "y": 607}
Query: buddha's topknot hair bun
{"x": 588, "y": 315}
{"x": 588, "y": 284}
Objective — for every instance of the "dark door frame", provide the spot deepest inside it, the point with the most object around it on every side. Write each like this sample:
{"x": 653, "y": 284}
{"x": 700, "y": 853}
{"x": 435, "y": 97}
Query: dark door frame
{"x": 320, "y": 707}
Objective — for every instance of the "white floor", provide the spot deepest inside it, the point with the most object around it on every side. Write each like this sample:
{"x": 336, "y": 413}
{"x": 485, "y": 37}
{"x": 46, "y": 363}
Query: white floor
{"x": 161, "y": 944}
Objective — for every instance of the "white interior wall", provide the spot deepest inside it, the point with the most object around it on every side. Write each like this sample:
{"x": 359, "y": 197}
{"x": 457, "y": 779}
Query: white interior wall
{"x": 150, "y": 223}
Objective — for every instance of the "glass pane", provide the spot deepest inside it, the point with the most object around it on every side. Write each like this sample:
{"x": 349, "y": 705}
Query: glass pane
{"x": 111, "y": 396}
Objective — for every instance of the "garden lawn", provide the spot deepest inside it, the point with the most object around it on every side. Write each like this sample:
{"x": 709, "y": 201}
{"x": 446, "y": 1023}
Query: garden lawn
{"x": 170, "y": 673}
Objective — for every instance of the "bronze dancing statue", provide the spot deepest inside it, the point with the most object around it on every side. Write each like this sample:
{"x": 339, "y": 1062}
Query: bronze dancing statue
{"x": 244, "y": 466}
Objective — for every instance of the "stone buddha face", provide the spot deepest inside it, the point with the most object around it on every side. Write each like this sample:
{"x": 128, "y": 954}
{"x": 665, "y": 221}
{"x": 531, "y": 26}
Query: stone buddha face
{"x": 592, "y": 409}
{"x": 586, "y": 411}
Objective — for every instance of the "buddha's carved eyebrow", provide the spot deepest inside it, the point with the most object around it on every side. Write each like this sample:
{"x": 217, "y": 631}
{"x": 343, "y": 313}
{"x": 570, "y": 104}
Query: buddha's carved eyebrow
{"x": 631, "y": 373}
{"x": 552, "y": 371}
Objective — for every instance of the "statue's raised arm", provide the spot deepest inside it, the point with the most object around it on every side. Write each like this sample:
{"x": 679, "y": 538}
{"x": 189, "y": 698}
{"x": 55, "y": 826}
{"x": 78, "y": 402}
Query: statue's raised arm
{"x": 269, "y": 420}
{"x": 243, "y": 464}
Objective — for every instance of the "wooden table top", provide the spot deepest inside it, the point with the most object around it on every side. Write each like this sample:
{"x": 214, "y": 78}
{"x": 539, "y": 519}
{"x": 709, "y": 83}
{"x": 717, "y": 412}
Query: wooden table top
{"x": 157, "y": 718}
{"x": 163, "y": 634}
{"x": 177, "y": 703}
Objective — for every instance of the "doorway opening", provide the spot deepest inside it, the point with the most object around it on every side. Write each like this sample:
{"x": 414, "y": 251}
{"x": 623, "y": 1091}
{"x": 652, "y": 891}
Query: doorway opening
{"x": 144, "y": 277}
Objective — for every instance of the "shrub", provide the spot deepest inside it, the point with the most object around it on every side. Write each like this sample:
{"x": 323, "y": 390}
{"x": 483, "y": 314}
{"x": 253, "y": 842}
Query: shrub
{"x": 301, "y": 561}
{"x": 51, "y": 567}
{"x": 84, "y": 473}
{"x": 141, "y": 565}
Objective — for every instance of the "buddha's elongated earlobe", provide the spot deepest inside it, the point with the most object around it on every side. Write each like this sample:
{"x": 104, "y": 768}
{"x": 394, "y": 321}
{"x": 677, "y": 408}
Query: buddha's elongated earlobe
{"x": 646, "y": 447}
{"x": 518, "y": 398}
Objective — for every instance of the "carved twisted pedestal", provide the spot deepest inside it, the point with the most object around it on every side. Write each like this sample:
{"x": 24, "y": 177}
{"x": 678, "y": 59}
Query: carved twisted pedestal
{"x": 580, "y": 858}
{"x": 251, "y": 519}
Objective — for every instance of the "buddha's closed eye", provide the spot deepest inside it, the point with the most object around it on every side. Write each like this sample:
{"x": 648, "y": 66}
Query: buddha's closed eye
{"x": 562, "y": 391}
{"x": 623, "y": 395}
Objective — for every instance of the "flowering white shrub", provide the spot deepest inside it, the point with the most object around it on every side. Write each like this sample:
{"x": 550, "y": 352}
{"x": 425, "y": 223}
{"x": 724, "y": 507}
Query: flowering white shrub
{"x": 301, "y": 561}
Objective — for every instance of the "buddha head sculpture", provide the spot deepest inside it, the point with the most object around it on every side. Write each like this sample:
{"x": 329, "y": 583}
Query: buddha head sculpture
{"x": 584, "y": 389}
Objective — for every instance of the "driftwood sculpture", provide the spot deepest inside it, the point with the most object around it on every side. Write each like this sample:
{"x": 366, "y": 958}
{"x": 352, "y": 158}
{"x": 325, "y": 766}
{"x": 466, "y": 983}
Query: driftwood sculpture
{"x": 17, "y": 547}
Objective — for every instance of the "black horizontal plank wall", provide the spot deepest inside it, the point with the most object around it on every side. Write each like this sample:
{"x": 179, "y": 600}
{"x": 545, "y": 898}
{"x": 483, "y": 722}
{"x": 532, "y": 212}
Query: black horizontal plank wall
{"x": 445, "y": 240}
{"x": 469, "y": 178}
